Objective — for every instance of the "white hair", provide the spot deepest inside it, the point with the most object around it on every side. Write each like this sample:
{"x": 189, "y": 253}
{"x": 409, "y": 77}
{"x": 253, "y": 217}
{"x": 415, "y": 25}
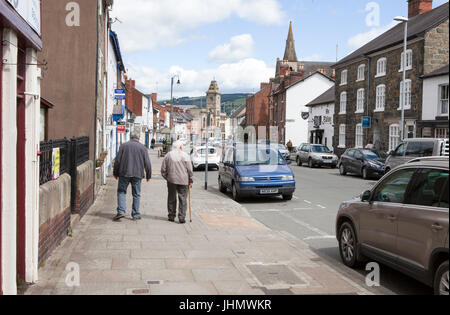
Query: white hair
{"x": 178, "y": 145}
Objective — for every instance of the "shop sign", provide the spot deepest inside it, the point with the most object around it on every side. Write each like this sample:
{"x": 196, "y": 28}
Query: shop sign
{"x": 30, "y": 11}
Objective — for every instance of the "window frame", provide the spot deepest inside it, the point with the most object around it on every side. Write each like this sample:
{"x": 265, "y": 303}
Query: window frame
{"x": 380, "y": 98}
{"x": 342, "y": 136}
{"x": 416, "y": 180}
{"x": 409, "y": 60}
{"x": 394, "y": 138}
{"x": 407, "y": 190}
{"x": 361, "y": 73}
{"x": 359, "y": 136}
{"x": 408, "y": 103}
{"x": 360, "y": 100}
{"x": 344, "y": 74}
{"x": 440, "y": 101}
{"x": 383, "y": 61}
{"x": 343, "y": 103}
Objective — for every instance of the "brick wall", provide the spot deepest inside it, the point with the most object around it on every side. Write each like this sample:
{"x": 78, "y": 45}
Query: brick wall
{"x": 84, "y": 188}
{"x": 52, "y": 233}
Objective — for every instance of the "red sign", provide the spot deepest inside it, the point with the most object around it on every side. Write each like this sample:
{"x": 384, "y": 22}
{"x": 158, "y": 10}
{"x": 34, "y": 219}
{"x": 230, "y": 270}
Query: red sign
{"x": 121, "y": 129}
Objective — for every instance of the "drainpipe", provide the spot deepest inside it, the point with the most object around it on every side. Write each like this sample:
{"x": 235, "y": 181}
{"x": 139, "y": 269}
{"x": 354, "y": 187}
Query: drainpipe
{"x": 368, "y": 97}
{"x": 96, "y": 100}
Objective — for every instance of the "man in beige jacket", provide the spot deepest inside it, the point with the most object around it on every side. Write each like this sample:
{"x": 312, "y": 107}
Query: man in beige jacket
{"x": 177, "y": 171}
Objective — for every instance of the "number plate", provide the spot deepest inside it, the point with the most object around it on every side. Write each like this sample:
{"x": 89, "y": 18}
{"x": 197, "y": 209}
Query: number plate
{"x": 268, "y": 191}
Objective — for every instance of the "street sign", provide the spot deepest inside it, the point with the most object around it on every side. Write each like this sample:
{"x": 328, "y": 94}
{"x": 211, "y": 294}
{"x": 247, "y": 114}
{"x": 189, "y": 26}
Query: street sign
{"x": 121, "y": 129}
{"x": 367, "y": 122}
{"x": 119, "y": 94}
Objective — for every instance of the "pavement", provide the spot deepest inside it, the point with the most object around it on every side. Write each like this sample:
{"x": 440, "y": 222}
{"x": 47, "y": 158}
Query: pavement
{"x": 223, "y": 251}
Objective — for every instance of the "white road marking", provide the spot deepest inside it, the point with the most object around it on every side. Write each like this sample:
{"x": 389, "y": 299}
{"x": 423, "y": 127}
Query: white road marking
{"x": 321, "y": 207}
{"x": 307, "y": 201}
{"x": 303, "y": 208}
{"x": 295, "y": 197}
{"x": 324, "y": 237}
{"x": 265, "y": 210}
{"x": 304, "y": 224}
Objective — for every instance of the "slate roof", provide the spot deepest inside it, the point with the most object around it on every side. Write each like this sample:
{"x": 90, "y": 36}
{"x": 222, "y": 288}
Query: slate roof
{"x": 417, "y": 27}
{"x": 239, "y": 111}
{"x": 326, "y": 98}
{"x": 441, "y": 71}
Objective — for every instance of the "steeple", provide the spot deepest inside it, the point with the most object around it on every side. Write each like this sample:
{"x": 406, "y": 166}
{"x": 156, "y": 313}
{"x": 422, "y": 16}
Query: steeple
{"x": 289, "y": 53}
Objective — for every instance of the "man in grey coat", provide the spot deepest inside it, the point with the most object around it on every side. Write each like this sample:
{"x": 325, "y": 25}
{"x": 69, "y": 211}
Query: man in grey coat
{"x": 132, "y": 164}
{"x": 177, "y": 171}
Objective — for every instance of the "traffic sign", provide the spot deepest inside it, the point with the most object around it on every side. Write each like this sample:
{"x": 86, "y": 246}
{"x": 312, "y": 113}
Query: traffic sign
{"x": 367, "y": 122}
{"x": 119, "y": 94}
{"x": 121, "y": 129}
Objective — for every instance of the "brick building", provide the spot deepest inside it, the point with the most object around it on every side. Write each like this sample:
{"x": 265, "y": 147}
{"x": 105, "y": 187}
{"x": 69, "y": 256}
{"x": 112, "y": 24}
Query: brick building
{"x": 369, "y": 81}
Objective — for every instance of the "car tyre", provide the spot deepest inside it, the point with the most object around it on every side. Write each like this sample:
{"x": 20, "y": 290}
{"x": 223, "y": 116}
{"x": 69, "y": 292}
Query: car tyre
{"x": 348, "y": 245}
{"x": 235, "y": 193}
{"x": 441, "y": 279}
{"x": 299, "y": 161}
{"x": 342, "y": 170}
{"x": 287, "y": 197}
{"x": 310, "y": 163}
{"x": 364, "y": 173}
{"x": 222, "y": 187}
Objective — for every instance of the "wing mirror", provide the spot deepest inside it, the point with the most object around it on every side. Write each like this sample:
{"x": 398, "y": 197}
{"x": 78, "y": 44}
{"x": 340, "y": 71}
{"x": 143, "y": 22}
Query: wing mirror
{"x": 366, "y": 196}
{"x": 289, "y": 162}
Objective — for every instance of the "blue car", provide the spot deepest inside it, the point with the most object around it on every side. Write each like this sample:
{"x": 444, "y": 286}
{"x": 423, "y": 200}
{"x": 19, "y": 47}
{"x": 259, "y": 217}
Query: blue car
{"x": 255, "y": 170}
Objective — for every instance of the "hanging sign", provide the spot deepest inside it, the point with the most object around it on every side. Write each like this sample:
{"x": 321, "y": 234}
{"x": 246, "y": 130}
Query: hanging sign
{"x": 30, "y": 11}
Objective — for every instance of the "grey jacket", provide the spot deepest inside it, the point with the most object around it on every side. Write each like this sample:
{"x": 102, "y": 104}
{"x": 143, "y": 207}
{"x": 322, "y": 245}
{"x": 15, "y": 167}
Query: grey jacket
{"x": 177, "y": 168}
{"x": 132, "y": 161}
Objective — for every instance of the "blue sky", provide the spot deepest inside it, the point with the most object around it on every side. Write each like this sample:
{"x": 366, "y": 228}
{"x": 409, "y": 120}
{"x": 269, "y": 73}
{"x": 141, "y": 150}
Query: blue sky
{"x": 237, "y": 41}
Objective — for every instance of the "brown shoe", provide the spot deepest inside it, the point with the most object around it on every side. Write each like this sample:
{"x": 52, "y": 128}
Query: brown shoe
{"x": 118, "y": 217}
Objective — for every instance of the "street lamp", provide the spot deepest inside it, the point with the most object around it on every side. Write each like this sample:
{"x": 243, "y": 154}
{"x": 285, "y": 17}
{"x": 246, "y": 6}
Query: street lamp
{"x": 405, "y": 46}
{"x": 171, "y": 98}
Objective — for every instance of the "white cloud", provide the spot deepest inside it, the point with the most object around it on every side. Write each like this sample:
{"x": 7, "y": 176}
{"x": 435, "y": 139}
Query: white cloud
{"x": 361, "y": 39}
{"x": 147, "y": 24}
{"x": 313, "y": 57}
{"x": 239, "y": 47}
{"x": 239, "y": 77}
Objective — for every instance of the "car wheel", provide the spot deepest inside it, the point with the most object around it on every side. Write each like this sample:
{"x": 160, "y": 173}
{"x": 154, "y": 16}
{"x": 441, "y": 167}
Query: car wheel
{"x": 342, "y": 170}
{"x": 310, "y": 163}
{"x": 348, "y": 245}
{"x": 441, "y": 279}
{"x": 287, "y": 197}
{"x": 365, "y": 174}
{"x": 236, "y": 196}
{"x": 193, "y": 168}
{"x": 299, "y": 161}
{"x": 222, "y": 187}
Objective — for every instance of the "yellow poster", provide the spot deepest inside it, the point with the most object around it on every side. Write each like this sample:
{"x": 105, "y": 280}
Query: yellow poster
{"x": 56, "y": 165}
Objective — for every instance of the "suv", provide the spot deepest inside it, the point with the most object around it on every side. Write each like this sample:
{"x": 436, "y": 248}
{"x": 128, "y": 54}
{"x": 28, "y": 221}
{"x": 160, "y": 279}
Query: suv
{"x": 410, "y": 149}
{"x": 402, "y": 222}
{"x": 316, "y": 155}
{"x": 364, "y": 162}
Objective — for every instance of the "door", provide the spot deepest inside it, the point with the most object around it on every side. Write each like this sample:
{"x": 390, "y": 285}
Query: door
{"x": 358, "y": 162}
{"x": 349, "y": 161}
{"x": 423, "y": 222}
{"x": 379, "y": 218}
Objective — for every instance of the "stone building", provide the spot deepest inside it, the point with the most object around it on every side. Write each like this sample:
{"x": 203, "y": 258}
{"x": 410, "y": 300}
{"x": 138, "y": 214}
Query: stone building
{"x": 369, "y": 80}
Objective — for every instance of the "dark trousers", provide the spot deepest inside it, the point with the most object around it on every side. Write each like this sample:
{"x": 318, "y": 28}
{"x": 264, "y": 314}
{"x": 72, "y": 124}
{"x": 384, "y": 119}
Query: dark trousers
{"x": 180, "y": 192}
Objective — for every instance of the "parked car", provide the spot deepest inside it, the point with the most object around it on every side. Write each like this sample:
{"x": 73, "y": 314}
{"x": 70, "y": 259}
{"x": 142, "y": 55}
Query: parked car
{"x": 316, "y": 155}
{"x": 402, "y": 222}
{"x": 198, "y": 157}
{"x": 255, "y": 170}
{"x": 410, "y": 149}
{"x": 364, "y": 162}
{"x": 284, "y": 152}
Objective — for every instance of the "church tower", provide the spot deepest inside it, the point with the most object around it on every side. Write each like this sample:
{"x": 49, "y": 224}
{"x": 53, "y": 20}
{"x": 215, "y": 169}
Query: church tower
{"x": 213, "y": 98}
{"x": 290, "y": 55}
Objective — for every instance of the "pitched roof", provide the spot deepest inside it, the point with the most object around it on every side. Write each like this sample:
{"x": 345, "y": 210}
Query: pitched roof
{"x": 238, "y": 111}
{"x": 441, "y": 71}
{"x": 325, "y": 98}
{"x": 282, "y": 88}
{"x": 417, "y": 26}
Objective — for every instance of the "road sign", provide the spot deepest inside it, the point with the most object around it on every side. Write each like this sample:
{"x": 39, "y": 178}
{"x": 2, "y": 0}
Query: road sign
{"x": 121, "y": 129}
{"x": 367, "y": 122}
{"x": 119, "y": 94}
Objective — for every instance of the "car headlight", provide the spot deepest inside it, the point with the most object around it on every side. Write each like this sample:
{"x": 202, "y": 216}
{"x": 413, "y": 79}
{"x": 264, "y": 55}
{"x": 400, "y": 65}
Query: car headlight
{"x": 374, "y": 164}
{"x": 246, "y": 179}
{"x": 290, "y": 177}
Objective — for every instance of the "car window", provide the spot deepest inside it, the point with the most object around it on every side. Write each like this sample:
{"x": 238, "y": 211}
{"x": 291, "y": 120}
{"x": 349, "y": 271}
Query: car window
{"x": 306, "y": 148}
{"x": 320, "y": 149}
{"x": 358, "y": 155}
{"x": 428, "y": 188}
{"x": 420, "y": 149}
{"x": 229, "y": 158}
{"x": 400, "y": 150}
{"x": 444, "y": 198}
{"x": 351, "y": 153}
{"x": 393, "y": 188}
{"x": 371, "y": 155}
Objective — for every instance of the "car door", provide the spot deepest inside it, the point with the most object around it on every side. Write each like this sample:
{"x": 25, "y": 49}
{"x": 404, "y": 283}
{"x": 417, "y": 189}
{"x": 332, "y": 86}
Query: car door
{"x": 227, "y": 168}
{"x": 358, "y": 162}
{"x": 350, "y": 161}
{"x": 305, "y": 153}
{"x": 423, "y": 222}
{"x": 379, "y": 219}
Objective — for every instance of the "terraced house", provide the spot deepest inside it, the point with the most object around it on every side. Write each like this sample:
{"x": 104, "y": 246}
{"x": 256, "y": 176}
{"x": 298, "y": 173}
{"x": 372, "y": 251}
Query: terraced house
{"x": 369, "y": 81}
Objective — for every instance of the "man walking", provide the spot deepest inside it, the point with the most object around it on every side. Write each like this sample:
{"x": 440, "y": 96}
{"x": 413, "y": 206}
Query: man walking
{"x": 131, "y": 163}
{"x": 177, "y": 171}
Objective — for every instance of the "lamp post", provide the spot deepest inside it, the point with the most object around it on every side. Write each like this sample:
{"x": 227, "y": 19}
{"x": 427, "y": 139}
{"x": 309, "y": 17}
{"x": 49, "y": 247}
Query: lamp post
{"x": 403, "y": 96}
{"x": 171, "y": 100}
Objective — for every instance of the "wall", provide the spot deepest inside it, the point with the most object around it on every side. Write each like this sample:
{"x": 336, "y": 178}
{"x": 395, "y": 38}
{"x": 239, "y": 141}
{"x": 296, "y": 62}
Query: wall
{"x": 325, "y": 110}
{"x": 436, "y": 48}
{"x": 431, "y": 96}
{"x": 54, "y": 215}
{"x": 84, "y": 188}
{"x": 297, "y": 96}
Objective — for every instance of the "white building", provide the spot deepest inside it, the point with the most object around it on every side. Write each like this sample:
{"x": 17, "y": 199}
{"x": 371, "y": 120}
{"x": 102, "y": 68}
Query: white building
{"x": 20, "y": 128}
{"x": 320, "y": 121}
{"x": 298, "y": 95}
{"x": 435, "y": 109}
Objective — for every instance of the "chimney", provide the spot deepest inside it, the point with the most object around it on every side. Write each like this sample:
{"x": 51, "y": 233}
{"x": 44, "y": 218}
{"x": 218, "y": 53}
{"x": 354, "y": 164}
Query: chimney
{"x": 264, "y": 85}
{"x": 154, "y": 98}
{"x": 416, "y": 7}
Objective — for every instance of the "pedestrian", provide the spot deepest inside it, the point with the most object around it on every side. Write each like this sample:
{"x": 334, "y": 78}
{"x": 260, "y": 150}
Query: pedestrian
{"x": 153, "y": 142}
{"x": 177, "y": 170}
{"x": 132, "y": 164}
{"x": 289, "y": 146}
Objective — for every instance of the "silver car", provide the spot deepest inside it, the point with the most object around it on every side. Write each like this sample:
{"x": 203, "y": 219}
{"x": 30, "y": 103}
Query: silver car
{"x": 316, "y": 155}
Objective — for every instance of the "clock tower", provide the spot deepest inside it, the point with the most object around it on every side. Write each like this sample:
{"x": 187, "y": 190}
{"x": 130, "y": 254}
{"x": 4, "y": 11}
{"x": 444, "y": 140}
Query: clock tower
{"x": 213, "y": 98}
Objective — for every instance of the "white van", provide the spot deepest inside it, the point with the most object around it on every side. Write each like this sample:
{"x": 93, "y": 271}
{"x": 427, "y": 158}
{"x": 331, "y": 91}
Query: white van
{"x": 410, "y": 149}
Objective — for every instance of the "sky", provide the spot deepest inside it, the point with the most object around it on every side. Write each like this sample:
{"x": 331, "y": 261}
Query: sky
{"x": 237, "y": 42}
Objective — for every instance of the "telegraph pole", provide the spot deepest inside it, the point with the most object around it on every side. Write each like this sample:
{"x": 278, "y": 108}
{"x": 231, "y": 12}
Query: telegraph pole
{"x": 208, "y": 122}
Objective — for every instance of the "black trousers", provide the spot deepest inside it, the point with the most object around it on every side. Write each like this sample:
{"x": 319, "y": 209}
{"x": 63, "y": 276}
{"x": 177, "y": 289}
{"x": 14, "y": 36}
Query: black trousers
{"x": 179, "y": 192}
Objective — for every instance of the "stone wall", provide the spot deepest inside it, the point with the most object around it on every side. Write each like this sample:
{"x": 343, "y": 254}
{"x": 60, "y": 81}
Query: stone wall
{"x": 54, "y": 215}
{"x": 436, "y": 48}
{"x": 84, "y": 188}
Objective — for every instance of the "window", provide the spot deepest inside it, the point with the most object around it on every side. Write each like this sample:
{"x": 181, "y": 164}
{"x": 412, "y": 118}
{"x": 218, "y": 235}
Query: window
{"x": 429, "y": 189}
{"x": 360, "y": 101}
{"x": 381, "y": 98}
{"x": 342, "y": 136}
{"x": 361, "y": 72}
{"x": 420, "y": 149}
{"x": 400, "y": 152}
{"x": 394, "y": 137}
{"x": 343, "y": 107}
{"x": 441, "y": 133}
{"x": 393, "y": 189}
{"x": 443, "y": 100}
{"x": 405, "y": 95}
{"x": 359, "y": 136}
{"x": 409, "y": 56}
{"x": 381, "y": 67}
{"x": 344, "y": 77}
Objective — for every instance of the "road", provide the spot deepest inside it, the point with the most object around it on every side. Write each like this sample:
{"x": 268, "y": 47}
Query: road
{"x": 311, "y": 216}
